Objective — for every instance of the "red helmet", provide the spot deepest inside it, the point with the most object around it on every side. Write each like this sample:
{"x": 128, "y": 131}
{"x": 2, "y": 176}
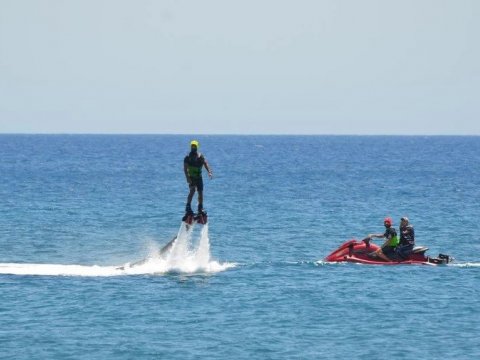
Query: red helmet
{"x": 388, "y": 220}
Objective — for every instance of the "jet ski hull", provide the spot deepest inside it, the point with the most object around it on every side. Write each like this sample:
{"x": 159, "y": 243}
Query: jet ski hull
{"x": 360, "y": 252}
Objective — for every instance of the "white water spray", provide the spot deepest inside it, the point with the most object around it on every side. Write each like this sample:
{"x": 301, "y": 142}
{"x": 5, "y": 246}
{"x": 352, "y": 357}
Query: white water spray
{"x": 189, "y": 253}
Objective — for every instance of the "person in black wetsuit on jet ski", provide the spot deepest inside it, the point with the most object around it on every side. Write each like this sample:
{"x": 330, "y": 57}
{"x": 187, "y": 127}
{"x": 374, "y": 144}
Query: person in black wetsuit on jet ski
{"x": 407, "y": 239}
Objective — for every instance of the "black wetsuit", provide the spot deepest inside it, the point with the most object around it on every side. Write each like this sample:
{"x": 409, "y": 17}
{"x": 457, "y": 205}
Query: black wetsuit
{"x": 407, "y": 241}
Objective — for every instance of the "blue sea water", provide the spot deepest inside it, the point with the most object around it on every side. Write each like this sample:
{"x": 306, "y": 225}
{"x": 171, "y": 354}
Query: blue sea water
{"x": 75, "y": 207}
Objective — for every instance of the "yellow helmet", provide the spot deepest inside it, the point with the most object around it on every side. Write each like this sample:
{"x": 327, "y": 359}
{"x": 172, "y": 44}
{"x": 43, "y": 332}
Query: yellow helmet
{"x": 194, "y": 142}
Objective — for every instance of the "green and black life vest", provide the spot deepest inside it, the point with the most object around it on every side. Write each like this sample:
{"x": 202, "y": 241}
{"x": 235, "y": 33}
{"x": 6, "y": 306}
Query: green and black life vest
{"x": 195, "y": 162}
{"x": 391, "y": 234}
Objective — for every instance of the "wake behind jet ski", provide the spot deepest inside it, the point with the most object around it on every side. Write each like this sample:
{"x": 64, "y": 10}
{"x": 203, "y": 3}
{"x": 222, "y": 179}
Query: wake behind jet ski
{"x": 362, "y": 252}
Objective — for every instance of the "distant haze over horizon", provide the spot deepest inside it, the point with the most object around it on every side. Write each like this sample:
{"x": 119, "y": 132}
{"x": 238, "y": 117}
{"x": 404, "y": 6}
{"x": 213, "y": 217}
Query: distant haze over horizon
{"x": 240, "y": 68}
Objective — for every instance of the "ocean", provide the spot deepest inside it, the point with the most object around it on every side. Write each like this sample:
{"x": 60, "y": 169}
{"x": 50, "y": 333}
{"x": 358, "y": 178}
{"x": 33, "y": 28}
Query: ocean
{"x": 78, "y": 211}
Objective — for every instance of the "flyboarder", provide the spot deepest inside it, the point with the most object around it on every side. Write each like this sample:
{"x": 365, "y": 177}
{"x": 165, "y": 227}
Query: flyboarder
{"x": 192, "y": 167}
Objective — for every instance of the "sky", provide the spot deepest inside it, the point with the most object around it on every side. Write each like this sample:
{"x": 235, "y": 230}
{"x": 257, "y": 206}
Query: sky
{"x": 240, "y": 67}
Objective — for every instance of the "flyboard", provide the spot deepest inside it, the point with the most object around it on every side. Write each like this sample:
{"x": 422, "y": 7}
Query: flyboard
{"x": 190, "y": 218}
{"x": 189, "y": 221}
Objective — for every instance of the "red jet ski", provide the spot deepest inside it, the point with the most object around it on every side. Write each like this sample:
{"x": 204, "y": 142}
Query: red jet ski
{"x": 356, "y": 251}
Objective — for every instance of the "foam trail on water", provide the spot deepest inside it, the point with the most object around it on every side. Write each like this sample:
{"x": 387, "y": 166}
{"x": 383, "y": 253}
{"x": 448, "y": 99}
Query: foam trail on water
{"x": 465, "y": 265}
{"x": 182, "y": 257}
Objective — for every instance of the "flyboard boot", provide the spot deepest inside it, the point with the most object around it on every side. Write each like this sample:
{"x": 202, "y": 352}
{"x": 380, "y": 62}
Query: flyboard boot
{"x": 201, "y": 216}
{"x": 189, "y": 216}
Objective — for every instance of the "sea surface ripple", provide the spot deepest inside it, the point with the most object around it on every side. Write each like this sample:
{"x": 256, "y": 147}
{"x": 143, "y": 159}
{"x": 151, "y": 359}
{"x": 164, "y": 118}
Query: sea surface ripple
{"x": 78, "y": 210}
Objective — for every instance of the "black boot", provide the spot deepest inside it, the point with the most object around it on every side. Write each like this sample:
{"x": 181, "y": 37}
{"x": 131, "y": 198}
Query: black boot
{"x": 201, "y": 216}
{"x": 188, "y": 209}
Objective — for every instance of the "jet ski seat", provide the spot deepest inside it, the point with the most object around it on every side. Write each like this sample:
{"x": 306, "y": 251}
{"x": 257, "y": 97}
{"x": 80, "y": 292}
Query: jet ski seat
{"x": 419, "y": 249}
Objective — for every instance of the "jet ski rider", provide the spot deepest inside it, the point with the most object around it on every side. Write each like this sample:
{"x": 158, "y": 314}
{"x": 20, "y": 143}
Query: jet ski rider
{"x": 391, "y": 242}
{"x": 407, "y": 238}
{"x": 192, "y": 167}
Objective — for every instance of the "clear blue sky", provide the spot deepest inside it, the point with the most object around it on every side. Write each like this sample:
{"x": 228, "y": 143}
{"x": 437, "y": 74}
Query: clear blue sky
{"x": 240, "y": 67}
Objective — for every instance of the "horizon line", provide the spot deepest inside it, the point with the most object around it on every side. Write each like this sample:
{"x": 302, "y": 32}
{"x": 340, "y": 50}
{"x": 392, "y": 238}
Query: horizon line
{"x": 224, "y": 134}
